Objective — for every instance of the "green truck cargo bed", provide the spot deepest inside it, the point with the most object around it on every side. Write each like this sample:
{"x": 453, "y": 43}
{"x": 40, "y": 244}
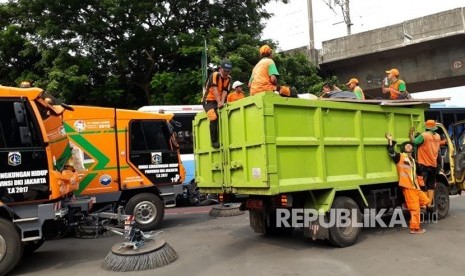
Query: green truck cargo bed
{"x": 272, "y": 145}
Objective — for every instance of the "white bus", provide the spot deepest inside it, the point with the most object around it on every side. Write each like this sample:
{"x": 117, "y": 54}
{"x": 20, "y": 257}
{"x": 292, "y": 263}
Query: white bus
{"x": 183, "y": 117}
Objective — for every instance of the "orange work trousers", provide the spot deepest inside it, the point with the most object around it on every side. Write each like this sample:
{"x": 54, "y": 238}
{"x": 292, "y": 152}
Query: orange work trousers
{"x": 414, "y": 199}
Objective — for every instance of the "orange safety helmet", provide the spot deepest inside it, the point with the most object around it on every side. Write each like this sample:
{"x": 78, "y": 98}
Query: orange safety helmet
{"x": 394, "y": 71}
{"x": 352, "y": 80}
{"x": 431, "y": 125}
{"x": 265, "y": 49}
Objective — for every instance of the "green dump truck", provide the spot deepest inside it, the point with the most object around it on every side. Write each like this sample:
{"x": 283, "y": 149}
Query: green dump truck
{"x": 292, "y": 154}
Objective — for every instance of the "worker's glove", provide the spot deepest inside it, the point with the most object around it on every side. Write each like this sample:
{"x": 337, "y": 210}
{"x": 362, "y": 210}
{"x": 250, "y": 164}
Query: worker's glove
{"x": 211, "y": 114}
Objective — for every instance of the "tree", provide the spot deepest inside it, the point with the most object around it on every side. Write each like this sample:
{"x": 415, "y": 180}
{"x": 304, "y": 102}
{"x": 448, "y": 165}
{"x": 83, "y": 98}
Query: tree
{"x": 295, "y": 70}
{"x": 129, "y": 53}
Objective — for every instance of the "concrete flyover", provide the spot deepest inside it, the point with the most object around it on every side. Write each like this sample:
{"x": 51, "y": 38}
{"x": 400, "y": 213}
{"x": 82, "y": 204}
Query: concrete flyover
{"x": 428, "y": 51}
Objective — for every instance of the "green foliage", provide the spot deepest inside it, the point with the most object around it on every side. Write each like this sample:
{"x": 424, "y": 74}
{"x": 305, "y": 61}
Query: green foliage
{"x": 128, "y": 53}
{"x": 296, "y": 71}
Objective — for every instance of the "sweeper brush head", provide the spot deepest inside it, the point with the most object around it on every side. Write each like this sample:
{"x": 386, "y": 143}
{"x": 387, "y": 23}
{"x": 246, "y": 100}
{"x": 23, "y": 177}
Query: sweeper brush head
{"x": 226, "y": 210}
{"x": 153, "y": 254}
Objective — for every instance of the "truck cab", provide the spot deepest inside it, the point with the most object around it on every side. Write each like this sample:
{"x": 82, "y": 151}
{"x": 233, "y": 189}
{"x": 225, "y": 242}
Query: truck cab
{"x": 131, "y": 159}
{"x": 319, "y": 156}
{"x": 36, "y": 178}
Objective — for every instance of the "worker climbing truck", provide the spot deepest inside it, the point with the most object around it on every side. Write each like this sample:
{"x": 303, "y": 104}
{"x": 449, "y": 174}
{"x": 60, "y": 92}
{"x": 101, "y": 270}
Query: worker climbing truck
{"x": 36, "y": 176}
{"x": 130, "y": 158}
{"x": 319, "y": 156}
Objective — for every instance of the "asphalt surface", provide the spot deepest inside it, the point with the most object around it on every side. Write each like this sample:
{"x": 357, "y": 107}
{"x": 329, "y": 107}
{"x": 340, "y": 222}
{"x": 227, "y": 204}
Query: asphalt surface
{"x": 227, "y": 246}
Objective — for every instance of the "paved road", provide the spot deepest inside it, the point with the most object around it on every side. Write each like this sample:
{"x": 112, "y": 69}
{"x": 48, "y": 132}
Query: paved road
{"x": 227, "y": 246}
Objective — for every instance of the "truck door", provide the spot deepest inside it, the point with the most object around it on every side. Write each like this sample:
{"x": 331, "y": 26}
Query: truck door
{"x": 458, "y": 136}
{"x": 446, "y": 152}
{"x": 23, "y": 159}
{"x": 151, "y": 152}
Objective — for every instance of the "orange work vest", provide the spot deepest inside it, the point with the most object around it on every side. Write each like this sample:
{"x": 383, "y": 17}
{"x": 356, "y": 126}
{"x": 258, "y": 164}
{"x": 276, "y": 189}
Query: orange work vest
{"x": 216, "y": 80}
{"x": 395, "y": 85}
{"x": 234, "y": 96}
{"x": 260, "y": 77}
{"x": 407, "y": 172}
{"x": 428, "y": 151}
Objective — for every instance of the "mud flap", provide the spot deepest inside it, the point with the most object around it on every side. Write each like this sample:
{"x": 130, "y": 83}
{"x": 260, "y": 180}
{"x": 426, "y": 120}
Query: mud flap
{"x": 257, "y": 221}
{"x": 315, "y": 231}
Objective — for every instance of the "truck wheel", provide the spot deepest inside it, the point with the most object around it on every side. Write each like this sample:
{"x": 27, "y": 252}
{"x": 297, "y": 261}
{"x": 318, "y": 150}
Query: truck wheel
{"x": 31, "y": 247}
{"x": 11, "y": 247}
{"x": 442, "y": 201}
{"x": 148, "y": 211}
{"x": 345, "y": 236}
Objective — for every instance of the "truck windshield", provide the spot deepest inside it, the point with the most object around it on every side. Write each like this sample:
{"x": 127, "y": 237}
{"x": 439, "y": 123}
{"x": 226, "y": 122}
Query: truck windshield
{"x": 149, "y": 135}
{"x": 12, "y": 132}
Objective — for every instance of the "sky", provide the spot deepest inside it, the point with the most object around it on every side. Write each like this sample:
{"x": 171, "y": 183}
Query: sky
{"x": 289, "y": 25}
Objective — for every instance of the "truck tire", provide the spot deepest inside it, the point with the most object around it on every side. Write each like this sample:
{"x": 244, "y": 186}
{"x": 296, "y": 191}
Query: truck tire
{"x": 441, "y": 200}
{"x": 31, "y": 247}
{"x": 148, "y": 211}
{"x": 345, "y": 236}
{"x": 11, "y": 247}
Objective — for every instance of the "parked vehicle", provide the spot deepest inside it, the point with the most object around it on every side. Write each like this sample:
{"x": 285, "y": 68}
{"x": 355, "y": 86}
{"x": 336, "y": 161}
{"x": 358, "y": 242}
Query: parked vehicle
{"x": 37, "y": 179}
{"x": 182, "y": 125}
{"x": 445, "y": 115}
{"x": 131, "y": 159}
{"x": 322, "y": 155}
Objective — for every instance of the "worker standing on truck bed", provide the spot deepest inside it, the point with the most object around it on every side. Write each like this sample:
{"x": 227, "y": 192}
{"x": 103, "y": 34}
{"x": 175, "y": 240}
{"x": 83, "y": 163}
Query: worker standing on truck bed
{"x": 354, "y": 87}
{"x": 394, "y": 86}
{"x": 217, "y": 88}
{"x": 264, "y": 76}
{"x": 428, "y": 151}
{"x": 408, "y": 182}
{"x": 237, "y": 93}
{"x": 327, "y": 89}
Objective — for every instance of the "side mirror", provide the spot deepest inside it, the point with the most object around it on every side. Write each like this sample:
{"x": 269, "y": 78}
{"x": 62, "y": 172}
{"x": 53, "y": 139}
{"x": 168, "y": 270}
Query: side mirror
{"x": 67, "y": 107}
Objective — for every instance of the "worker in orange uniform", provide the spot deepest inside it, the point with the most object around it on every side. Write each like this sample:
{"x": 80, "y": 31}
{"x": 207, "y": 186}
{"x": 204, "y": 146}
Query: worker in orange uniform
{"x": 264, "y": 76}
{"x": 237, "y": 94}
{"x": 354, "y": 87}
{"x": 394, "y": 86}
{"x": 215, "y": 96}
{"x": 428, "y": 144}
{"x": 415, "y": 198}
